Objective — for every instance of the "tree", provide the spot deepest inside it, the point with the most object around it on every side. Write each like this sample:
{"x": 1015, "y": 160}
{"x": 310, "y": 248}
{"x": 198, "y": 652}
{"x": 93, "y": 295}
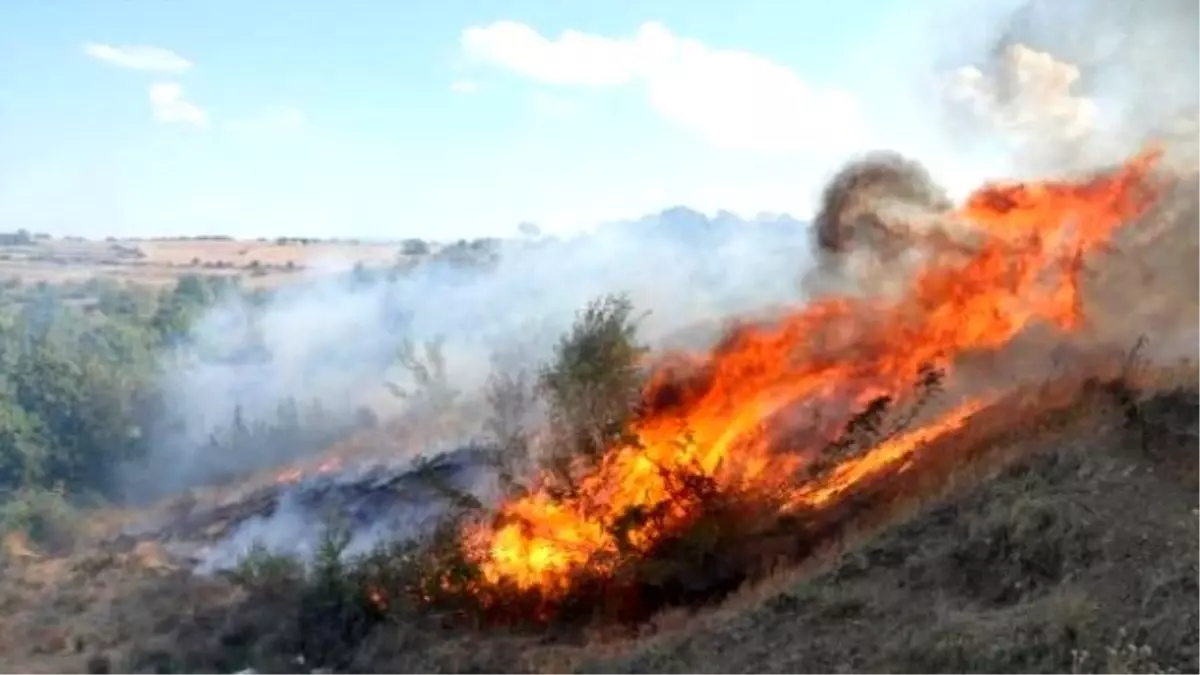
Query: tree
{"x": 86, "y": 403}
{"x": 594, "y": 382}
{"x": 180, "y": 307}
{"x": 23, "y": 451}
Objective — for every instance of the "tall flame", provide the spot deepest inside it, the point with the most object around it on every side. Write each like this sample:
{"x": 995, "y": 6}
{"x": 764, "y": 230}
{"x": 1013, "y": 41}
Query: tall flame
{"x": 727, "y": 418}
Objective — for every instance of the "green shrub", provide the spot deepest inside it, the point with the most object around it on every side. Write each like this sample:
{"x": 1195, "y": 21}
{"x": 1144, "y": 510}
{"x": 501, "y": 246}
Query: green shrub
{"x": 593, "y": 384}
{"x": 263, "y": 569}
{"x": 44, "y": 516}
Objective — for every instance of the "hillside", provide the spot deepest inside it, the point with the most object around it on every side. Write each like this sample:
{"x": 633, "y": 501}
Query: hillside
{"x": 1079, "y": 557}
{"x": 971, "y": 445}
{"x": 1067, "y": 545}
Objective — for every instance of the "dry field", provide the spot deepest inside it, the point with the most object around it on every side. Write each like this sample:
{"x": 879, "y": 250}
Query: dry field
{"x": 263, "y": 263}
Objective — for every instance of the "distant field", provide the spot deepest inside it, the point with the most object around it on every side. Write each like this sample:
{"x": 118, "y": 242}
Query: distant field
{"x": 161, "y": 261}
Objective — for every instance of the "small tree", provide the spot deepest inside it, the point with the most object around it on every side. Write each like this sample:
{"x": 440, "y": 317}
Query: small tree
{"x": 593, "y": 384}
{"x": 430, "y": 391}
{"x": 512, "y": 398}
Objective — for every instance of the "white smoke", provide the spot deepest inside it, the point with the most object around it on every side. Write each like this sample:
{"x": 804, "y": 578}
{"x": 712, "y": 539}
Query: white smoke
{"x": 1029, "y": 99}
{"x": 335, "y": 341}
{"x": 370, "y": 504}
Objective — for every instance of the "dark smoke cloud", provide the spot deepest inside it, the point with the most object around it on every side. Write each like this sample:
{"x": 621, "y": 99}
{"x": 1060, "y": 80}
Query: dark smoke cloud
{"x": 868, "y": 203}
{"x": 878, "y": 215}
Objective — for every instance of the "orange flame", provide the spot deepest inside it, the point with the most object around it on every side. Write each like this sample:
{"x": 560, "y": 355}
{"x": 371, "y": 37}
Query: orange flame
{"x": 296, "y": 474}
{"x": 727, "y": 417}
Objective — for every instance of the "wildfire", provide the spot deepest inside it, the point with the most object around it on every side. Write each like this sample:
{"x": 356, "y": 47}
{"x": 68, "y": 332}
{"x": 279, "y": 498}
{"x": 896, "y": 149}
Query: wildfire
{"x": 731, "y": 418}
{"x": 295, "y": 474}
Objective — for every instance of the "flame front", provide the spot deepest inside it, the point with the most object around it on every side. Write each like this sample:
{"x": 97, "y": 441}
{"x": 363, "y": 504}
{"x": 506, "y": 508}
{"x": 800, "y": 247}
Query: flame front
{"x": 729, "y": 418}
{"x": 294, "y": 475}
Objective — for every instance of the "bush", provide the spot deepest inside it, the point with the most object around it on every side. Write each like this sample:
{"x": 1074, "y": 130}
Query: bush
{"x": 323, "y": 611}
{"x": 512, "y": 398}
{"x": 335, "y": 610}
{"x": 593, "y": 384}
{"x": 43, "y": 516}
{"x": 265, "y": 570}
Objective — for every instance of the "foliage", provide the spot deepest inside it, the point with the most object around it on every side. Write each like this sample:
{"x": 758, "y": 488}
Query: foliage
{"x": 44, "y": 516}
{"x": 75, "y": 394}
{"x": 81, "y": 369}
{"x": 593, "y": 383}
{"x": 265, "y": 570}
{"x": 326, "y": 609}
{"x": 512, "y": 399}
{"x": 333, "y": 611}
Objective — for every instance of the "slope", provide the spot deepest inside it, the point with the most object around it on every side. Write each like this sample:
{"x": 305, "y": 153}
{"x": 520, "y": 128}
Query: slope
{"x": 1080, "y": 557}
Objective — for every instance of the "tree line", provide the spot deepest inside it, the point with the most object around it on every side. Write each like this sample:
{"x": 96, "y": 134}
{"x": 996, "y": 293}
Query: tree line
{"x": 81, "y": 390}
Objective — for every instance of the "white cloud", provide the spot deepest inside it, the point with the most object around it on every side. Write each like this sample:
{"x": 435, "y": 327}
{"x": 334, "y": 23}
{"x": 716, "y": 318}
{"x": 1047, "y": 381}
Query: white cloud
{"x": 170, "y": 106}
{"x": 464, "y": 87}
{"x": 275, "y": 118}
{"x": 734, "y": 99}
{"x": 575, "y": 58}
{"x": 138, "y": 57}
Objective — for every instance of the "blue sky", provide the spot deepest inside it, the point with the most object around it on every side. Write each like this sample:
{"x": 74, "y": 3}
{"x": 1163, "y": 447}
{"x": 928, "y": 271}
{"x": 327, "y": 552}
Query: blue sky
{"x": 437, "y": 119}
